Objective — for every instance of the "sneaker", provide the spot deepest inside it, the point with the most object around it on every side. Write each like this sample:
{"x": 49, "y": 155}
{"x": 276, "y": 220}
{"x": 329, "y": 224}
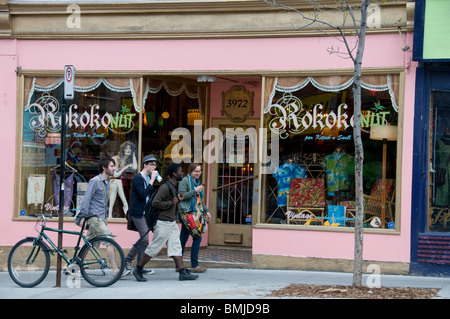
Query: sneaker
{"x": 198, "y": 269}
{"x": 186, "y": 275}
{"x": 148, "y": 271}
{"x": 138, "y": 274}
{"x": 127, "y": 270}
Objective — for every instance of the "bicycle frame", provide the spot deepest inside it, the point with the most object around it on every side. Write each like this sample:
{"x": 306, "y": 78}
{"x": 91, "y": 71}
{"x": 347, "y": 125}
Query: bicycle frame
{"x": 60, "y": 252}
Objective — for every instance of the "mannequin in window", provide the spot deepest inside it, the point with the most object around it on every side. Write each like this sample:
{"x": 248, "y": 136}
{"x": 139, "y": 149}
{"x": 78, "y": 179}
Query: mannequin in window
{"x": 126, "y": 167}
{"x": 443, "y": 170}
{"x": 283, "y": 174}
{"x": 338, "y": 165}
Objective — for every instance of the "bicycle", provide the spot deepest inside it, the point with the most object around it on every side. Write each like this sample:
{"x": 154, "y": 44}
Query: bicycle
{"x": 101, "y": 260}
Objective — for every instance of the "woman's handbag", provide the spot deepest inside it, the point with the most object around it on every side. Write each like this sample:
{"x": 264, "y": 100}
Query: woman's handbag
{"x": 195, "y": 222}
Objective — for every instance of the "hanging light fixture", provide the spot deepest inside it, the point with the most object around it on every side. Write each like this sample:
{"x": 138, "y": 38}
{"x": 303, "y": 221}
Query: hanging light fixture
{"x": 165, "y": 115}
{"x": 192, "y": 115}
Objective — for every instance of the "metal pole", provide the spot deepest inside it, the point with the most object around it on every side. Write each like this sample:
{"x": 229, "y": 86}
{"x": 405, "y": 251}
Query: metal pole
{"x": 383, "y": 182}
{"x": 61, "y": 191}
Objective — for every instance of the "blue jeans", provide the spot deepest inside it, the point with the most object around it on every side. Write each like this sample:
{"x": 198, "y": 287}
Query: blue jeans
{"x": 184, "y": 236}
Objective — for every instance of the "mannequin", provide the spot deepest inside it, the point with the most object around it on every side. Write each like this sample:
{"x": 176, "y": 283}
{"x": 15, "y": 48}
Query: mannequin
{"x": 338, "y": 165}
{"x": 443, "y": 170}
{"x": 283, "y": 174}
{"x": 126, "y": 165}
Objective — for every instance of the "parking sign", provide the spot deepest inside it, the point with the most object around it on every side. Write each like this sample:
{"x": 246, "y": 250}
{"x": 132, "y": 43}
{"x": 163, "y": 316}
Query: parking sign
{"x": 69, "y": 79}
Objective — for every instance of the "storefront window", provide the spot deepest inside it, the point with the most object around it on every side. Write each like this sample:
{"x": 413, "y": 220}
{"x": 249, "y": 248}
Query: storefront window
{"x": 170, "y": 109}
{"x": 314, "y": 182}
{"x": 101, "y": 121}
{"x": 439, "y": 190}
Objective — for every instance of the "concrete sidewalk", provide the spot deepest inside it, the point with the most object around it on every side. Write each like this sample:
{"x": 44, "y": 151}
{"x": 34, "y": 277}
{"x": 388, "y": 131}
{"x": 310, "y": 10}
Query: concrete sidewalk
{"x": 216, "y": 283}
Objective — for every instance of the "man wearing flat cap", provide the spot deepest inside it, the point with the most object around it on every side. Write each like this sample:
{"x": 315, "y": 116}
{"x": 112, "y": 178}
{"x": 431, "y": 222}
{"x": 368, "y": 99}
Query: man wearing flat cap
{"x": 142, "y": 188}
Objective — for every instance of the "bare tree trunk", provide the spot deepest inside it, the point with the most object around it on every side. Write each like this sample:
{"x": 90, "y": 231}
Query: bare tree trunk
{"x": 357, "y": 60}
{"x": 359, "y": 151}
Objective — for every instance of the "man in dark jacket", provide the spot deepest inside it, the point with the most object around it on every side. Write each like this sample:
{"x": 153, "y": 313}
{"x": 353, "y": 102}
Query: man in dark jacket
{"x": 166, "y": 230}
{"x": 142, "y": 188}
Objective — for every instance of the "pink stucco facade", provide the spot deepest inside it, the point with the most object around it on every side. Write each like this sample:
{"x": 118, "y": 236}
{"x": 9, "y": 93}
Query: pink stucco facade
{"x": 197, "y": 56}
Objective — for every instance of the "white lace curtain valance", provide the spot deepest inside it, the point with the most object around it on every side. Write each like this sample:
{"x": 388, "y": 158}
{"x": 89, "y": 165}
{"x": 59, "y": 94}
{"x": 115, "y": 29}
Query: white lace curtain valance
{"x": 132, "y": 85}
{"x": 332, "y": 84}
{"x": 153, "y": 86}
{"x": 47, "y": 84}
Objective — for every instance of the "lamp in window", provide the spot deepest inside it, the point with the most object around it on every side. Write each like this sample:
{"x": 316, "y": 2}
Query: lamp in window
{"x": 383, "y": 133}
{"x": 192, "y": 115}
{"x": 165, "y": 115}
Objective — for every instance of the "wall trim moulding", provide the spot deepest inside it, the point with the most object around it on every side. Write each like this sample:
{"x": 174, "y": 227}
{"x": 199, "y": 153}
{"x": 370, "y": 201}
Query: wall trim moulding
{"x": 175, "y": 20}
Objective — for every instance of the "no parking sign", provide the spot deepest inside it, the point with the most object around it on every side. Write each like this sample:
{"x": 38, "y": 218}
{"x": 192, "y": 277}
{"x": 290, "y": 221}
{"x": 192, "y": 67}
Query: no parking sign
{"x": 69, "y": 79}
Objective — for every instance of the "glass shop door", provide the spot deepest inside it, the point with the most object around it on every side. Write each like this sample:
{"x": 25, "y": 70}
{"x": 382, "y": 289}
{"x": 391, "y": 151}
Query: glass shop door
{"x": 234, "y": 185}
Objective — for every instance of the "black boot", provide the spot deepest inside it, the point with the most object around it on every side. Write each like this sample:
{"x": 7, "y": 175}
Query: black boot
{"x": 138, "y": 273}
{"x": 186, "y": 275}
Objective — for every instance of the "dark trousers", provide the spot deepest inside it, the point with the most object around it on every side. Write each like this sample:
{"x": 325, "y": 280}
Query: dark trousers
{"x": 140, "y": 245}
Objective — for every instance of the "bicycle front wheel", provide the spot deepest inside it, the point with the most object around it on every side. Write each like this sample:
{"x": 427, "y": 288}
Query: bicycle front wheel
{"x": 102, "y": 261}
{"x": 28, "y": 262}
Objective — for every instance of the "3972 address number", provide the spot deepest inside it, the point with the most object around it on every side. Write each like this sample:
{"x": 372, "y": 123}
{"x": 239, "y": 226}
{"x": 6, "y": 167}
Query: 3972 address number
{"x": 237, "y": 103}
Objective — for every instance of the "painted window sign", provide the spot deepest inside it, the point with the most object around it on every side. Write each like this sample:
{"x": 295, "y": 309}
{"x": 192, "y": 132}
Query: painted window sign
{"x": 46, "y": 117}
{"x": 289, "y": 117}
{"x": 323, "y": 115}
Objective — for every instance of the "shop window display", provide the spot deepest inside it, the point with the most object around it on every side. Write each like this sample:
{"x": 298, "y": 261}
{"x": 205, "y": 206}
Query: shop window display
{"x": 313, "y": 118}
{"x": 101, "y": 121}
{"x": 171, "y": 107}
{"x": 439, "y": 191}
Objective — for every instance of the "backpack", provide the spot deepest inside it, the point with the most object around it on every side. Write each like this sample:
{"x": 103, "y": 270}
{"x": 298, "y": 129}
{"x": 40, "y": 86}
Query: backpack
{"x": 152, "y": 213}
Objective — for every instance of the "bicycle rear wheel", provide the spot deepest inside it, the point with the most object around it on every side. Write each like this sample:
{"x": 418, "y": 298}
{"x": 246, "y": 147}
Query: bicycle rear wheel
{"x": 102, "y": 261}
{"x": 28, "y": 262}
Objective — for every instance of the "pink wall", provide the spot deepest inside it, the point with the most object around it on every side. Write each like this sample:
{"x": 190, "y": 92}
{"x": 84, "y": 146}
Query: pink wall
{"x": 8, "y": 88}
{"x": 210, "y": 55}
{"x": 180, "y": 55}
